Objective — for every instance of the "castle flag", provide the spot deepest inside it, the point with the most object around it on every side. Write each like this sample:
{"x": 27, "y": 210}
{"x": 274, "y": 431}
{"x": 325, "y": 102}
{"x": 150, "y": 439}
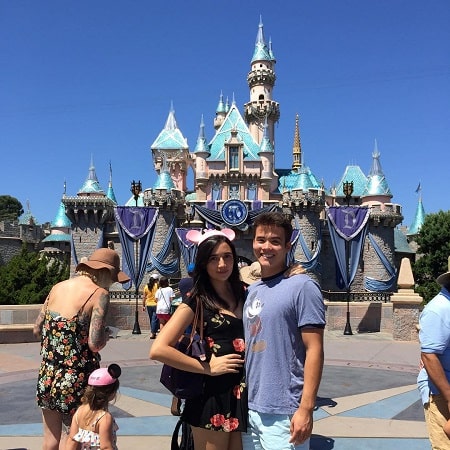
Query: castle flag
{"x": 419, "y": 188}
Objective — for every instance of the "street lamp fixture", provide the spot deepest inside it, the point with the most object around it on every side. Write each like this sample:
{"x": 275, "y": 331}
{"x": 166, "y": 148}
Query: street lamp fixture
{"x": 136, "y": 189}
{"x": 347, "y": 188}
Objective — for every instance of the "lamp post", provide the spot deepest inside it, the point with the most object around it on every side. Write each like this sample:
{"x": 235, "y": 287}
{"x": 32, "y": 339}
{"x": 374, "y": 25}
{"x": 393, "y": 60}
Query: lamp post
{"x": 136, "y": 189}
{"x": 348, "y": 191}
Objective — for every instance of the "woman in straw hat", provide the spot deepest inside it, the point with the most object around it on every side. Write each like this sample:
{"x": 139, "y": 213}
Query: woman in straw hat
{"x": 72, "y": 329}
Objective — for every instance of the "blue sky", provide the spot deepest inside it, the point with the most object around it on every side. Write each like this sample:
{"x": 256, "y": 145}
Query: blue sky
{"x": 82, "y": 78}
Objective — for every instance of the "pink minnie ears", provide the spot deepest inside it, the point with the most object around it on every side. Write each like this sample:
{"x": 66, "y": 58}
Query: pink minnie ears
{"x": 104, "y": 377}
{"x": 197, "y": 237}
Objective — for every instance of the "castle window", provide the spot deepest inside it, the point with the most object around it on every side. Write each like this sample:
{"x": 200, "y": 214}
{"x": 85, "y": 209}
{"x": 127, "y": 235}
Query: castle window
{"x": 251, "y": 192}
{"x": 261, "y": 97}
{"x": 233, "y": 158}
{"x": 216, "y": 193}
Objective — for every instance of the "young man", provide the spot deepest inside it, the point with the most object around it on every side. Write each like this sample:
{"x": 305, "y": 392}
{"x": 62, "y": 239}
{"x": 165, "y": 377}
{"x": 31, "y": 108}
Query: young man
{"x": 284, "y": 319}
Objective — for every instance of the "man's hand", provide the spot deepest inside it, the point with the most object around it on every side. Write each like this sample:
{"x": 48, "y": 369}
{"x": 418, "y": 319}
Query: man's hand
{"x": 301, "y": 426}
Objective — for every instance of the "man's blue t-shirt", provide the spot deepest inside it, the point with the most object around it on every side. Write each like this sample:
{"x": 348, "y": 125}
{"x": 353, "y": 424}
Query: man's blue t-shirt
{"x": 434, "y": 336}
{"x": 274, "y": 311}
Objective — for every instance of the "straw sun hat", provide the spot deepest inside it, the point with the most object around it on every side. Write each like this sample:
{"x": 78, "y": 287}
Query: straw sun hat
{"x": 252, "y": 273}
{"x": 105, "y": 258}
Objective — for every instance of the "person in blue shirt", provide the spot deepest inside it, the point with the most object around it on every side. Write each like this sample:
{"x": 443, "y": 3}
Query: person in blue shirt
{"x": 434, "y": 377}
{"x": 284, "y": 320}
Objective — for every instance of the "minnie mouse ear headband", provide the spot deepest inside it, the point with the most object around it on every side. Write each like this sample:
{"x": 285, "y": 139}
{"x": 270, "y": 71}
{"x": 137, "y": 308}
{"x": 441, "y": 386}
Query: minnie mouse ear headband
{"x": 105, "y": 377}
{"x": 197, "y": 237}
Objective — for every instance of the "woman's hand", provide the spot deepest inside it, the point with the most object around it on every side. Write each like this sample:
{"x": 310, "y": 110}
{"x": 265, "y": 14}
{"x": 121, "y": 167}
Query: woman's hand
{"x": 219, "y": 365}
{"x": 294, "y": 269}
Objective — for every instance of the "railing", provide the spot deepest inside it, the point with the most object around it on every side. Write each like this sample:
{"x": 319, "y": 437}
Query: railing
{"x": 383, "y": 297}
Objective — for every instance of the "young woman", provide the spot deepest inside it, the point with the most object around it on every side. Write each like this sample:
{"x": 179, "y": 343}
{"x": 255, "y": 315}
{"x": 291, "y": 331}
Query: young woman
{"x": 93, "y": 426}
{"x": 71, "y": 325}
{"x": 219, "y": 415}
{"x": 149, "y": 303}
{"x": 164, "y": 296}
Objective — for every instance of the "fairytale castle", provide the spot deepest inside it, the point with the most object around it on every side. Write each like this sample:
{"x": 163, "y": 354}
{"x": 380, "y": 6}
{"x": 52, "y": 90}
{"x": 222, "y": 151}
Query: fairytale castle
{"x": 235, "y": 179}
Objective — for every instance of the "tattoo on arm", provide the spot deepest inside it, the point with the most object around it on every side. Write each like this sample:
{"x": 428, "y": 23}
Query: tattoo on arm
{"x": 97, "y": 335}
{"x": 37, "y": 329}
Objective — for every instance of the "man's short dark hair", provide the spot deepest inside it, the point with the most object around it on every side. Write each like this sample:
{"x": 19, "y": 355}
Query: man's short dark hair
{"x": 274, "y": 219}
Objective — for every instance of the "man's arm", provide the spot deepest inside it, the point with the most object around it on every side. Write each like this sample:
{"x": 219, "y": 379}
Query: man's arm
{"x": 436, "y": 374}
{"x": 302, "y": 420}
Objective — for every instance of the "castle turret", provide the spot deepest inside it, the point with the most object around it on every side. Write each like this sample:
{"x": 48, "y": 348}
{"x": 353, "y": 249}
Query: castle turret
{"x": 201, "y": 154}
{"x": 221, "y": 112}
{"x": 261, "y": 81}
{"x": 172, "y": 147}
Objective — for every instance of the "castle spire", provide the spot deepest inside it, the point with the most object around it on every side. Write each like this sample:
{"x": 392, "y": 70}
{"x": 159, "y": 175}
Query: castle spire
{"x": 377, "y": 184}
{"x": 202, "y": 145}
{"x": 419, "y": 218}
{"x": 110, "y": 194}
{"x": 297, "y": 147}
{"x": 261, "y": 81}
{"x": 91, "y": 186}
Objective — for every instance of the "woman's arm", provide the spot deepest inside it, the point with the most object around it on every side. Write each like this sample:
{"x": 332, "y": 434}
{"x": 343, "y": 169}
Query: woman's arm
{"x": 163, "y": 348}
{"x": 37, "y": 329}
{"x": 98, "y": 336}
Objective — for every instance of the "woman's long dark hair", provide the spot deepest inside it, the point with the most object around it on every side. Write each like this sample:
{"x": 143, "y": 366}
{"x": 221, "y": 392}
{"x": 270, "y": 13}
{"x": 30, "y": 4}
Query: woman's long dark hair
{"x": 151, "y": 282}
{"x": 202, "y": 283}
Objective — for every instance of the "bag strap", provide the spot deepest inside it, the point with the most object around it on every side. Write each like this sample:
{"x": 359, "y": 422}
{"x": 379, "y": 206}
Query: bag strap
{"x": 198, "y": 315}
{"x": 174, "y": 443}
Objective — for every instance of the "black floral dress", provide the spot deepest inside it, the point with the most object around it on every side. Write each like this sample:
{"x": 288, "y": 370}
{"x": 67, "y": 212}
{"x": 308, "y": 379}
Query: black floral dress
{"x": 223, "y": 404}
{"x": 67, "y": 362}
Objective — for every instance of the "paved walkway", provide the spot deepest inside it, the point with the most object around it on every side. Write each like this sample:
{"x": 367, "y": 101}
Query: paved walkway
{"x": 367, "y": 399}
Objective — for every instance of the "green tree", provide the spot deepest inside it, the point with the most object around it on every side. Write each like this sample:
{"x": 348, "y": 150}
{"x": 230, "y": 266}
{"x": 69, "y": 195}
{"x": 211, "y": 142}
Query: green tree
{"x": 434, "y": 247}
{"x": 28, "y": 278}
{"x": 10, "y": 208}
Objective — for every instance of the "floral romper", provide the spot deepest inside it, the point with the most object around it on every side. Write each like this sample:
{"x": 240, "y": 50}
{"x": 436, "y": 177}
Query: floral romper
{"x": 67, "y": 362}
{"x": 223, "y": 404}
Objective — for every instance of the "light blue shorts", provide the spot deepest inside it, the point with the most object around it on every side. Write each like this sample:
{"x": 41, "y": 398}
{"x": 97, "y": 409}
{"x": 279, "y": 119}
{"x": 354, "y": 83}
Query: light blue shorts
{"x": 269, "y": 432}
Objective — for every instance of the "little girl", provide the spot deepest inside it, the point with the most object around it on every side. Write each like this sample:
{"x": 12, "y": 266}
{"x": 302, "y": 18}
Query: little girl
{"x": 92, "y": 423}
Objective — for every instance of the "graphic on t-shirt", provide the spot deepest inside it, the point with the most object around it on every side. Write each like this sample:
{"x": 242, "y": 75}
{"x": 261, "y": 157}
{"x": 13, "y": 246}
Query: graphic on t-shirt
{"x": 254, "y": 324}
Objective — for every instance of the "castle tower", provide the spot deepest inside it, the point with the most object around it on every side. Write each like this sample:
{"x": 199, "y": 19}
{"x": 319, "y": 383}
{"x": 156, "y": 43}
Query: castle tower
{"x": 201, "y": 167}
{"x": 91, "y": 213}
{"x": 171, "y": 147}
{"x": 261, "y": 81}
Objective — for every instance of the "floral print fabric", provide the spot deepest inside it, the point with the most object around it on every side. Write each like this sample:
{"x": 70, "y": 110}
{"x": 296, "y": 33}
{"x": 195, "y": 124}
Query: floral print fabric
{"x": 223, "y": 405}
{"x": 90, "y": 440}
{"x": 67, "y": 362}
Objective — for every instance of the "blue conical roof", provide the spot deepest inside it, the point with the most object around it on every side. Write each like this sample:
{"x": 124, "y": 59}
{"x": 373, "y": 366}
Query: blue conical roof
{"x": 202, "y": 145}
{"x": 170, "y": 138}
{"x": 221, "y": 107}
{"x": 262, "y": 52}
{"x": 110, "y": 194}
{"x": 376, "y": 181}
{"x": 419, "y": 219}
{"x": 164, "y": 181}
{"x": 27, "y": 218}
{"x": 91, "y": 185}
{"x": 266, "y": 145}
{"x": 61, "y": 220}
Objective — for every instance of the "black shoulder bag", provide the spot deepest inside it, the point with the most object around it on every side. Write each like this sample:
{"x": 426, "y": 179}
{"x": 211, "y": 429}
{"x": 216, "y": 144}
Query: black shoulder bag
{"x": 180, "y": 383}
